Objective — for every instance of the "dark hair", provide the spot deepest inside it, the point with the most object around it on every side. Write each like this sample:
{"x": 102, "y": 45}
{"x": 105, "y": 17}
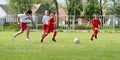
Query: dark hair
{"x": 29, "y": 12}
{"x": 52, "y": 12}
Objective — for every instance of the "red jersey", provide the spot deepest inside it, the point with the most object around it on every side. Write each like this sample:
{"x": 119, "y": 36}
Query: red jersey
{"x": 50, "y": 27}
{"x": 95, "y": 22}
{"x": 51, "y": 22}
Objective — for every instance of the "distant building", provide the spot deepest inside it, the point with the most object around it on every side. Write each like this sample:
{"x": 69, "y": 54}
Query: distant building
{"x": 38, "y": 12}
{"x": 62, "y": 16}
{"x": 3, "y": 11}
{"x": 3, "y": 8}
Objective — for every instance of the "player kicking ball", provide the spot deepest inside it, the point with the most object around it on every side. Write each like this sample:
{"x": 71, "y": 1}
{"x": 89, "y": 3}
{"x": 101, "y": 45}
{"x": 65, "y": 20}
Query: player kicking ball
{"x": 23, "y": 21}
{"x": 95, "y": 22}
{"x": 50, "y": 27}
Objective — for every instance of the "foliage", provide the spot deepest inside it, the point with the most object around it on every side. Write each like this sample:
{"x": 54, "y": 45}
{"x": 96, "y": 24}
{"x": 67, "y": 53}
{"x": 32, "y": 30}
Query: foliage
{"x": 39, "y": 26}
{"x": 18, "y": 6}
{"x": 73, "y": 5}
{"x": 92, "y": 7}
{"x": 82, "y": 27}
{"x": 11, "y": 26}
{"x": 117, "y": 27}
{"x": 116, "y": 8}
{"x": 112, "y": 6}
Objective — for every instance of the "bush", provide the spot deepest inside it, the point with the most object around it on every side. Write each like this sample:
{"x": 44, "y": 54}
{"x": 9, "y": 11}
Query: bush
{"x": 82, "y": 27}
{"x": 65, "y": 27}
{"x": 39, "y": 26}
{"x": 117, "y": 27}
{"x": 11, "y": 26}
{"x": 76, "y": 27}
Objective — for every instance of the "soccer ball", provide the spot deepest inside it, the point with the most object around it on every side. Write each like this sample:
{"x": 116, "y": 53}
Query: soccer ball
{"x": 76, "y": 41}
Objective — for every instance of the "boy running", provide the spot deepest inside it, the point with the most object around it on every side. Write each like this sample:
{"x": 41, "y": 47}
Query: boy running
{"x": 22, "y": 21}
{"x": 50, "y": 27}
{"x": 95, "y": 22}
{"x": 45, "y": 22}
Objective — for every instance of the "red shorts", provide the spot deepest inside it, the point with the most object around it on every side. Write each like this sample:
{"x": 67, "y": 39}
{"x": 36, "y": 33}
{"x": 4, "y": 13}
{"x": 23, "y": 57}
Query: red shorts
{"x": 50, "y": 29}
{"x": 95, "y": 30}
{"x": 44, "y": 27}
{"x": 23, "y": 26}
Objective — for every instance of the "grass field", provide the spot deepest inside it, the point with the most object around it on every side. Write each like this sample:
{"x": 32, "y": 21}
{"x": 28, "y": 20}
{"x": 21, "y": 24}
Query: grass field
{"x": 106, "y": 47}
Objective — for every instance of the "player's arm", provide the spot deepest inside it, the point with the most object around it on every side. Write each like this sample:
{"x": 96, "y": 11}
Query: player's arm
{"x": 30, "y": 18}
{"x": 43, "y": 20}
{"x": 32, "y": 22}
{"x": 88, "y": 24}
{"x": 18, "y": 19}
{"x": 55, "y": 21}
{"x": 100, "y": 23}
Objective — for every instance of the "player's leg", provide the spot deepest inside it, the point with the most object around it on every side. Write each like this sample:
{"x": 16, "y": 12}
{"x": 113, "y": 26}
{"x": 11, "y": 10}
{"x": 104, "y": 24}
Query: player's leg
{"x": 96, "y": 32}
{"x": 43, "y": 32}
{"x": 44, "y": 28}
{"x": 18, "y": 33}
{"x": 54, "y": 35}
{"x": 27, "y": 34}
{"x": 43, "y": 36}
{"x": 92, "y": 36}
{"x": 23, "y": 27}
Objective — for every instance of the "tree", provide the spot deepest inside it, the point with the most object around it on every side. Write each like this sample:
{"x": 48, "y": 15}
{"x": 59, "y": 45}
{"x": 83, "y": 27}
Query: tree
{"x": 18, "y": 6}
{"x": 112, "y": 6}
{"x": 56, "y": 5}
{"x": 73, "y": 6}
{"x": 92, "y": 7}
{"x": 116, "y": 8}
{"x": 101, "y": 13}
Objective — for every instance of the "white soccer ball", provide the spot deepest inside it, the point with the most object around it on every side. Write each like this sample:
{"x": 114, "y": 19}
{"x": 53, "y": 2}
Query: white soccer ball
{"x": 76, "y": 40}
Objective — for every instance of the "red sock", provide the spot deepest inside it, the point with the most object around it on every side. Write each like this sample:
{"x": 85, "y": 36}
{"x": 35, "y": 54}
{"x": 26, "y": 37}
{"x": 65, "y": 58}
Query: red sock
{"x": 44, "y": 35}
{"x": 92, "y": 36}
{"x": 54, "y": 35}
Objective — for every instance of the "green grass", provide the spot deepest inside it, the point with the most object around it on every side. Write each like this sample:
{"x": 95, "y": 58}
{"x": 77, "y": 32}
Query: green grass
{"x": 106, "y": 47}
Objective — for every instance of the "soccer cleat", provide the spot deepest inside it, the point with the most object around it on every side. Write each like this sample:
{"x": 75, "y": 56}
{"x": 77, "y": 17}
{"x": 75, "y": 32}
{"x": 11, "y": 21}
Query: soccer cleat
{"x": 91, "y": 39}
{"x": 13, "y": 37}
{"x": 41, "y": 40}
{"x": 28, "y": 39}
{"x": 95, "y": 36}
{"x": 53, "y": 40}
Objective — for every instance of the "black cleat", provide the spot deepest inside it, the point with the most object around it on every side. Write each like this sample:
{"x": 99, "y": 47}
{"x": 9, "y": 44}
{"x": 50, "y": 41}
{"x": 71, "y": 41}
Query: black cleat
{"x": 91, "y": 39}
{"x": 54, "y": 40}
{"x": 41, "y": 41}
{"x": 95, "y": 36}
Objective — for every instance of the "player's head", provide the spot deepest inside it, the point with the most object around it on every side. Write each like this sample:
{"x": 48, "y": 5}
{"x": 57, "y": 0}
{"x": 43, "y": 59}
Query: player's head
{"x": 96, "y": 16}
{"x": 52, "y": 14}
{"x": 46, "y": 12}
{"x": 28, "y": 12}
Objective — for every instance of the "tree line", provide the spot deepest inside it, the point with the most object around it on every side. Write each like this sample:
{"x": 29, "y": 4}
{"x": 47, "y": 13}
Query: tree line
{"x": 73, "y": 7}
